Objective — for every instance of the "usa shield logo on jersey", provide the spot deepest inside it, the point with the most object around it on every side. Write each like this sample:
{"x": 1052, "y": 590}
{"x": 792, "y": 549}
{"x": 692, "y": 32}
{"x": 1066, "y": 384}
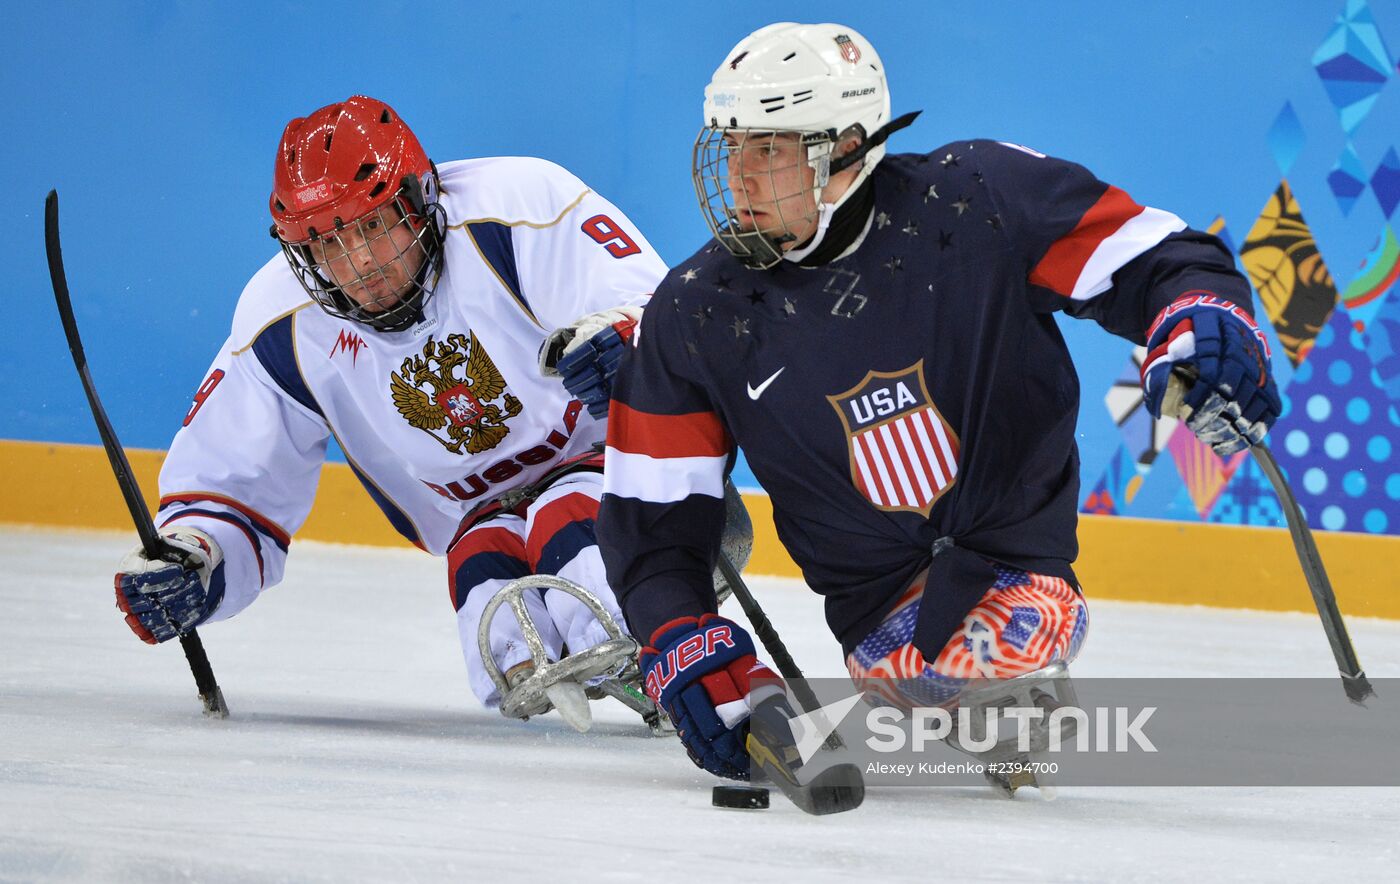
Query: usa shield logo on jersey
{"x": 447, "y": 392}
{"x": 904, "y": 456}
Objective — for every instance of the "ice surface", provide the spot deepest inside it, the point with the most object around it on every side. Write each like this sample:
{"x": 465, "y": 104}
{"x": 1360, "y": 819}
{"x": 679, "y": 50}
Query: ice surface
{"x": 356, "y": 752}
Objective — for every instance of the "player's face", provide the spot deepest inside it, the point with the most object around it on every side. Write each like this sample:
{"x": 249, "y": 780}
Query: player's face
{"x": 772, "y": 185}
{"x": 374, "y": 261}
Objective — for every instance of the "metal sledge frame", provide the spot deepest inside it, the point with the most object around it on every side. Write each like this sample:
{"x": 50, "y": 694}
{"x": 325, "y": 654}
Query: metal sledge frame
{"x": 530, "y": 696}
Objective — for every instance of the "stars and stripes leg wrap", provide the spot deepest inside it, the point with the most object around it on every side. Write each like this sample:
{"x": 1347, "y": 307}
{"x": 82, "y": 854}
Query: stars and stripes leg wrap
{"x": 1023, "y": 623}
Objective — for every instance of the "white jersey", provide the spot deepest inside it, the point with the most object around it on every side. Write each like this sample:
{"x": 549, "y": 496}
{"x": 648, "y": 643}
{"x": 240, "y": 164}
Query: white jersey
{"x": 434, "y": 420}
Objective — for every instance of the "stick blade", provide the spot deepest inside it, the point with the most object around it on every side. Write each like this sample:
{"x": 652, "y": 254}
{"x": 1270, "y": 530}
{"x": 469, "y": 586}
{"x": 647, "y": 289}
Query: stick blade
{"x": 214, "y": 705}
{"x": 836, "y": 788}
{"x": 1358, "y": 688}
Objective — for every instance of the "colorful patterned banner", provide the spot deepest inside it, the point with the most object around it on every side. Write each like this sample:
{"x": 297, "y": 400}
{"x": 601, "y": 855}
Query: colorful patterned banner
{"x": 1347, "y": 179}
{"x": 1365, "y": 294}
{"x": 1353, "y": 63}
{"x": 1286, "y": 139}
{"x": 1336, "y": 439}
{"x": 1204, "y": 472}
{"x": 1385, "y": 184}
{"x": 1289, "y": 274}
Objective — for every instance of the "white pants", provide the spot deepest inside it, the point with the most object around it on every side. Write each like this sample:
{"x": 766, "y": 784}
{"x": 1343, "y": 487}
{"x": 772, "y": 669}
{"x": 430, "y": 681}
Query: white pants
{"x": 553, "y": 536}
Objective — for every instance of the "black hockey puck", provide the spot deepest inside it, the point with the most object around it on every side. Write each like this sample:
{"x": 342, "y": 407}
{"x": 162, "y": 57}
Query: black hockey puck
{"x": 741, "y": 797}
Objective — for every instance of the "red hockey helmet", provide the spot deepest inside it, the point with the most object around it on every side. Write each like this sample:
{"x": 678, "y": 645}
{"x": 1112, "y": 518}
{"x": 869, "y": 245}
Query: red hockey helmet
{"x": 347, "y": 174}
{"x": 340, "y": 162}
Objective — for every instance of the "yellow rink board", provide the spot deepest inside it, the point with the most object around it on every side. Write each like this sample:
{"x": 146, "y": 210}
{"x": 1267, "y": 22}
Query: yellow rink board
{"x": 1131, "y": 559}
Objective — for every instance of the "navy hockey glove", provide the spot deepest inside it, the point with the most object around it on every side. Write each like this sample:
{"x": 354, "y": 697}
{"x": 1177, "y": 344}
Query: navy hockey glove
{"x": 165, "y": 599}
{"x": 699, "y": 671}
{"x": 1234, "y": 400}
{"x": 586, "y": 354}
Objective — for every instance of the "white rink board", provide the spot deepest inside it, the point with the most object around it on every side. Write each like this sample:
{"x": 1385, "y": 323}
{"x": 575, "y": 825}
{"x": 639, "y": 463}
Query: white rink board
{"x": 355, "y": 752}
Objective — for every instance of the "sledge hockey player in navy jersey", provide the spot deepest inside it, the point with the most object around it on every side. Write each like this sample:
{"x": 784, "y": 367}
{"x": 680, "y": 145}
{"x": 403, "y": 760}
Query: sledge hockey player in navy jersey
{"x": 407, "y": 315}
{"x": 877, "y": 334}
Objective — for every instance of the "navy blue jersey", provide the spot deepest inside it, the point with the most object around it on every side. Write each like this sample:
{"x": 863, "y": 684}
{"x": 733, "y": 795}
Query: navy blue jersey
{"x": 914, "y": 392}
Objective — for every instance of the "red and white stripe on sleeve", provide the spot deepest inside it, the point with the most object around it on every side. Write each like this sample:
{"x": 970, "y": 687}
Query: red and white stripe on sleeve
{"x": 664, "y": 458}
{"x": 1114, "y": 231}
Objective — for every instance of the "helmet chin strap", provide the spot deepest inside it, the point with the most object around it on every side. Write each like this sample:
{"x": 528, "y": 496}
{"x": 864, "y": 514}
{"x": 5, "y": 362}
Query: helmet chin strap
{"x": 825, "y": 212}
{"x": 877, "y": 138}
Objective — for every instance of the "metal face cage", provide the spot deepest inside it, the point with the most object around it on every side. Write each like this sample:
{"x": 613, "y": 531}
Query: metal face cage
{"x": 751, "y": 189}
{"x": 379, "y": 269}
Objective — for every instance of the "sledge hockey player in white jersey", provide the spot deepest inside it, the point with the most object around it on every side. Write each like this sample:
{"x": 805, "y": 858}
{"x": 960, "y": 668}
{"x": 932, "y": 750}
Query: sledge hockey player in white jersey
{"x": 412, "y": 315}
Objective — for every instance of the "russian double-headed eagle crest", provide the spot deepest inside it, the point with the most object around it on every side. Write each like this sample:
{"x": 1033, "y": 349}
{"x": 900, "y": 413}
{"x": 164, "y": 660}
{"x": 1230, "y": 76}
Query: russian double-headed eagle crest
{"x": 454, "y": 409}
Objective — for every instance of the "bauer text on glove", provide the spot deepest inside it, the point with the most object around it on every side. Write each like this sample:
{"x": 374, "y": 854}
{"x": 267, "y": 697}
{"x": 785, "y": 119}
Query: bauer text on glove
{"x": 700, "y": 671}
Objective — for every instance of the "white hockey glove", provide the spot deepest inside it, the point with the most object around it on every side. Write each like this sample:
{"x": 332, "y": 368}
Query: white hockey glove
{"x": 586, "y": 353}
{"x": 163, "y": 599}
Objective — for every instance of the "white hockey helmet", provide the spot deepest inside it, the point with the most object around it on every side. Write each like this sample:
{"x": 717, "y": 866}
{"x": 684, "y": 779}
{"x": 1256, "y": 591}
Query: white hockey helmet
{"x": 818, "y": 81}
{"x": 789, "y": 77}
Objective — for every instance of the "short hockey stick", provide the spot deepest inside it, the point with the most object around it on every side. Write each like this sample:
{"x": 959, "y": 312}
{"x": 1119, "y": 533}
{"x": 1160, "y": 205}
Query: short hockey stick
{"x": 155, "y": 547}
{"x": 763, "y": 628}
{"x": 1354, "y": 680}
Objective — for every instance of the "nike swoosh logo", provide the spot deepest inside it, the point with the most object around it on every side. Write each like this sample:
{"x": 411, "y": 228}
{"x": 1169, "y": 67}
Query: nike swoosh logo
{"x": 755, "y": 392}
